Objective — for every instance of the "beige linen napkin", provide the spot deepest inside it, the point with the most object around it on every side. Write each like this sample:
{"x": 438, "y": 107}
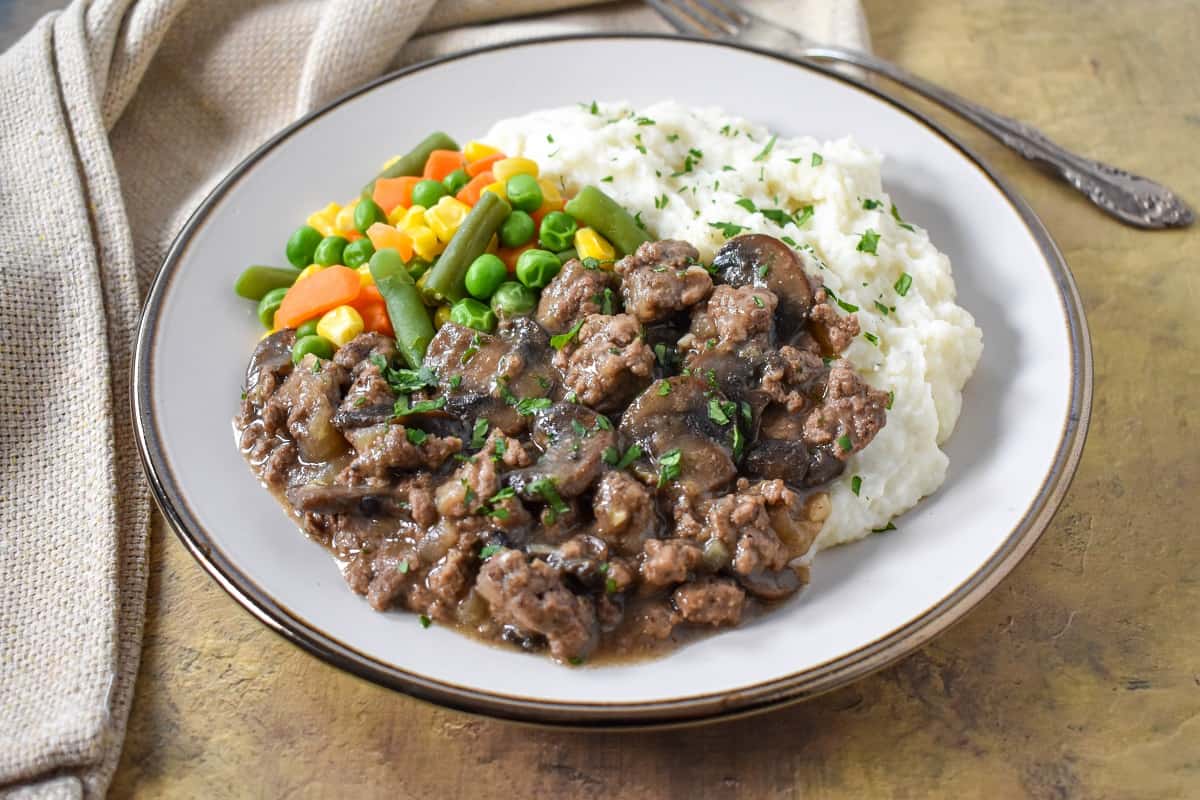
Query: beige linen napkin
{"x": 116, "y": 118}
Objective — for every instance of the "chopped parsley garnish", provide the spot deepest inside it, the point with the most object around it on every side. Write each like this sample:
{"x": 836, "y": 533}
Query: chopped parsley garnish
{"x": 776, "y": 215}
{"x": 689, "y": 163}
{"x": 844, "y": 443}
{"x": 660, "y": 353}
{"x": 402, "y": 407}
{"x": 849, "y": 308}
{"x": 802, "y": 216}
{"x": 560, "y": 341}
{"x": 644, "y": 121}
{"x": 891, "y": 399}
{"x": 526, "y": 406}
{"x": 726, "y": 131}
{"x": 766, "y": 151}
{"x": 788, "y": 241}
{"x": 719, "y": 411}
{"x": 856, "y": 484}
{"x": 455, "y": 381}
{"x": 575, "y": 661}
{"x": 872, "y": 338}
{"x": 378, "y": 360}
{"x": 881, "y": 308}
{"x": 664, "y": 389}
{"x": 402, "y": 567}
{"x": 545, "y": 488}
{"x": 361, "y": 401}
{"x": 472, "y": 349}
{"x": 870, "y": 205}
{"x": 405, "y": 381}
{"x": 613, "y": 457}
{"x": 603, "y": 423}
{"x": 577, "y": 426}
{"x": 710, "y": 375}
{"x": 674, "y": 137}
{"x": 758, "y": 301}
{"x": 884, "y": 529}
{"x": 608, "y": 303}
{"x": 762, "y": 270}
{"x": 499, "y": 449}
{"x": 727, "y": 168}
{"x": 550, "y": 138}
{"x": 593, "y": 108}
{"x": 817, "y": 159}
{"x": 868, "y": 242}
{"x": 610, "y": 585}
{"x": 610, "y": 456}
{"x": 727, "y": 229}
{"x": 425, "y": 621}
{"x": 903, "y": 283}
{"x": 415, "y": 435}
{"x": 607, "y": 179}
{"x": 661, "y": 201}
{"x": 900, "y": 222}
{"x": 669, "y": 466}
{"x": 739, "y": 443}
{"x": 638, "y": 219}
{"x": 746, "y": 203}
{"x": 637, "y": 142}
{"x": 479, "y": 433}
{"x": 489, "y": 551}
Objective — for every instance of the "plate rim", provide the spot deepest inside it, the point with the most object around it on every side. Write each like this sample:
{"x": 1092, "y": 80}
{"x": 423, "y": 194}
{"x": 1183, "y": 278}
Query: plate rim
{"x": 794, "y": 687}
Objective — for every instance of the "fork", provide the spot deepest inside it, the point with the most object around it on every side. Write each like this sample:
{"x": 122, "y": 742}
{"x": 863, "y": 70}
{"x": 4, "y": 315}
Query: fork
{"x": 1130, "y": 198}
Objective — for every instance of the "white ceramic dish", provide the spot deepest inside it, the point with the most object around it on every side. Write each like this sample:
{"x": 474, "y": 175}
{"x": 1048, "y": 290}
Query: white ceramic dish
{"x": 1012, "y": 456}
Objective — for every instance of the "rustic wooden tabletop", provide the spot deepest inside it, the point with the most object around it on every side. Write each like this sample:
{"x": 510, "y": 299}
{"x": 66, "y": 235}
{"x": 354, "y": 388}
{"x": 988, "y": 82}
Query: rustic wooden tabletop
{"x": 1078, "y": 678}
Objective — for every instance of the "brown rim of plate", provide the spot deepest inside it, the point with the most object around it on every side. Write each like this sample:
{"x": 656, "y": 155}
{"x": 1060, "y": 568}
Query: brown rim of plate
{"x": 670, "y": 712}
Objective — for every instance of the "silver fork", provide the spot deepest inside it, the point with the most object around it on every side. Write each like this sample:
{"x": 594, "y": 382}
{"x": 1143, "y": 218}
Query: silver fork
{"x": 1130, "y": 198}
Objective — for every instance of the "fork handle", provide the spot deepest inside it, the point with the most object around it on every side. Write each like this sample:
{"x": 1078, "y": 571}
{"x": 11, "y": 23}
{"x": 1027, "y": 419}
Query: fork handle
{"x": 1131, "y": 198}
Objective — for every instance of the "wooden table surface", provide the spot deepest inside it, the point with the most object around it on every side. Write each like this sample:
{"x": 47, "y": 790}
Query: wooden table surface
{"x": 1079, "y": 677}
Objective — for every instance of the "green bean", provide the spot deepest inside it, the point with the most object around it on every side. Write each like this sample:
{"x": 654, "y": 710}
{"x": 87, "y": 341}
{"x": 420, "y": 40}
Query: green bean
{"x": 413, "y": 162}
{"x": 445, "y": 282}
{"x": 407, "y": 313}
{"x": 269, "y": 304}
{"x": 257, "y": 280}
{"x": 597, "y": 210}
{"x": 301, "y": 246}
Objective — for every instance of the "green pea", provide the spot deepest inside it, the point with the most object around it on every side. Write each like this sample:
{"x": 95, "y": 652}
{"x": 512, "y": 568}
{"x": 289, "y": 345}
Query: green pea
{"x": 418, "y": 267}
{"x": 319, "y": 346}
{"x": 473, "y": 314}
{"x": 557, "y": 231}
{"x": 517, "y": 229}
{"x": 366, "y": 214}
{"x": 524, "y": 193}
{"x": 456, "y": 180}
{"x": 301, "y": 246}
{"x": 308, "y": 328}
{"x": 567, "y": 255}
{"x": 513, "y": 299}
{"x": 357, "y": 253}
{"x": 536, "y": 268}
{"x": 485, "y": 275}
{"x": 269, "y": 305}
{"x": 427, "y": 192}
{"x": 329, "y": 251}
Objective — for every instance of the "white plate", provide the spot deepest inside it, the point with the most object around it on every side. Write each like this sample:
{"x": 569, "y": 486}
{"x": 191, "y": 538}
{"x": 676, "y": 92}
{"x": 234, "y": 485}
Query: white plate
{"x": 1011, "y": 458}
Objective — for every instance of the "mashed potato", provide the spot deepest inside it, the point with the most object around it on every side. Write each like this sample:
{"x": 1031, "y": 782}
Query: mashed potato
{"x": 695, "y": 174}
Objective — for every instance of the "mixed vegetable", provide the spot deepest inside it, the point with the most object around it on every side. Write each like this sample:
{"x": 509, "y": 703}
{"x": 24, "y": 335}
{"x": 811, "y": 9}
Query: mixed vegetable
{"x": 469, "y": 235}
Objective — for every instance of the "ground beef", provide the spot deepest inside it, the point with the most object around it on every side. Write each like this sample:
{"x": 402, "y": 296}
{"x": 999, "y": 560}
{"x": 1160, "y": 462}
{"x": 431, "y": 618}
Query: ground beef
{"x": 362, "y": 347}
{"x": 468, "y": 488}
{"x": 850, "y": 408}
{"x": 369, "y": 400}
{"x": 710, "y": 601}
{"x": 269, "y": 366}
{"x": 277, "y": 468}
{"x": 391, "y": 451}
{"x": 731, "y": 319}
{"x": 661, "y": 278}
{"x": 625, "y": 512}
{"x": 833, "y": 332}
{"x": 382, "y": 575}
{"x": 308, "y": 398}
{"x": 529, "y": 594}
{"x": 576, "y": 292}
{"x": 450, "y": 578}
{"x": 607, "y": 363}
{"x": 668, "y": 561}
{"x": 792, "y": 378}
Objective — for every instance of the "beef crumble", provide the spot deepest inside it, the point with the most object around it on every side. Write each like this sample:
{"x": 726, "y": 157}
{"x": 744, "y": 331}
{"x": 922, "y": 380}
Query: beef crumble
{"x": 595, "y": 497}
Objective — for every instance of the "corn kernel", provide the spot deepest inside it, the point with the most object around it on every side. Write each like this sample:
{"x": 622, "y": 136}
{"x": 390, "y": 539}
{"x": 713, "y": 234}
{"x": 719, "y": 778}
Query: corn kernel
{"x": 425, "y": 242}
{"x": 323, "y": 220}
{"x": 590, "y": 244}
{"x": 552, "y": 199}
{"x": 389, "y": 162}
{"x": 344, "y": 221}
{"x": 414, "y": 217}
{"x": 477, "y": 150}
{"x": 340, "y": 325}
{"x": 441, "y": 316}
{"x": 396, "y": 214}
{"x": 365, "y": 278}
{"x": 496, "y": 188}
{"x": 309, "y": 270}
{"x": 505, "y": 168}
{"x": 444, "y": 218}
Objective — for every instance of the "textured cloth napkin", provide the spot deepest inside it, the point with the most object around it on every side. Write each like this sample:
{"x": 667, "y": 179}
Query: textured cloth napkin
{"x": 116, "y": 118}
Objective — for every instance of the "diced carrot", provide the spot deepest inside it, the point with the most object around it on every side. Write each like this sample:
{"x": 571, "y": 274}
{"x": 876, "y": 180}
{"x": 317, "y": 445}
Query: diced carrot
{"x": 369, "y": 294}
{"x": 321, "y": 291}
{"x": 484, "y": 164}
{"x": 441, "y": 163}
{"x": 375, "y": 318}
{"x": 469, "y": 194}
{"x": 383, "y": 235}
{"x": 393, "y": 192}
{"x": 509, "y": 255}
